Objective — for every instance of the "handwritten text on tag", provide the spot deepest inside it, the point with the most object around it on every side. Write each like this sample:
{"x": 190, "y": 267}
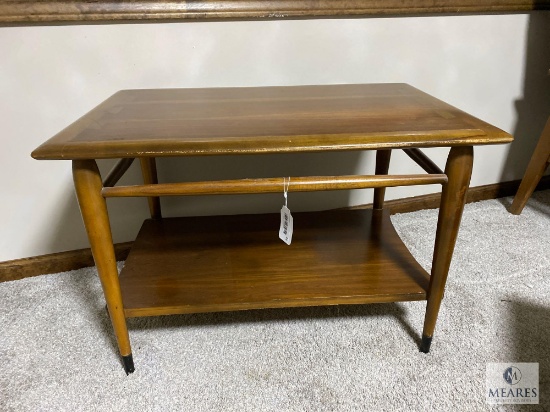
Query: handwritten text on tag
{"x": 287, "y": 226}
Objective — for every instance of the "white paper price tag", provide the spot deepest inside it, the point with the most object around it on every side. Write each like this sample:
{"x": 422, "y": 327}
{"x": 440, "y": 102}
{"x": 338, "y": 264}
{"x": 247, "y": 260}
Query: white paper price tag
{"x": 287, "y": 226}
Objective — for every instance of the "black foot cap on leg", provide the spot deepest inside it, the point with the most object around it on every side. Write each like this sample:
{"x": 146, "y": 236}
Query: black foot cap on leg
{"x": 128, "y": 364}
{"x": 426, "y": 343}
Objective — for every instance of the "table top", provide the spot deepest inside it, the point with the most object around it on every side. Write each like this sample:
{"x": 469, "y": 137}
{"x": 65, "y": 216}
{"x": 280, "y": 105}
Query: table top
{"x": 253, "y": 120}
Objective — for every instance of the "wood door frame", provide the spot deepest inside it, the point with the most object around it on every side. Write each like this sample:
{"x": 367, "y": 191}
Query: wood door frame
{"x": 38, "y": 12}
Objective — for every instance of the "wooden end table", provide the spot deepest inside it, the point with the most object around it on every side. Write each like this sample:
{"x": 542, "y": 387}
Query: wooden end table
{"x": 225, "y": 263}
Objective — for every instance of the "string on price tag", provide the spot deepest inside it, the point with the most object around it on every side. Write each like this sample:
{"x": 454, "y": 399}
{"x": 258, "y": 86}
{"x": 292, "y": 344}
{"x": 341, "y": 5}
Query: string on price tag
{"x": 287, "y": 223}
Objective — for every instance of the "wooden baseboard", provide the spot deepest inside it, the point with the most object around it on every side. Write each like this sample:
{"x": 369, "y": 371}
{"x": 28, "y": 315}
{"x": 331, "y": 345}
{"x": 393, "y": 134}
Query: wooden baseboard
{"x": 54, "y": 263}
{"x": 76, "y": 259}
{"x": 475, "y": 194}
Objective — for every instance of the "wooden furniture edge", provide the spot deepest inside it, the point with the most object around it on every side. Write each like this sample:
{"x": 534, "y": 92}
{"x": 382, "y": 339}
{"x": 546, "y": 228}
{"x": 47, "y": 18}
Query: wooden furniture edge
{"x": 76, "y": 259}
{"x": 81, "y": 11}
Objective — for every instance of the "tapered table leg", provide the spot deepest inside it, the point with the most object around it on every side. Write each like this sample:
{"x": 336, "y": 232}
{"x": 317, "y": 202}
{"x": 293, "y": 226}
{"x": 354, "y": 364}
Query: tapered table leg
{"x": 88, "y": 187}
{"x": 382, "y": 167}
{"x": 535, "y": 170}
{"x": 453, "y": 197}
{"x": 149, "y": 171}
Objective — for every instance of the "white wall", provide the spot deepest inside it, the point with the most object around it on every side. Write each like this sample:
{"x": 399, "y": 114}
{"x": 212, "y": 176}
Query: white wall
{"x": 50, "y": 76}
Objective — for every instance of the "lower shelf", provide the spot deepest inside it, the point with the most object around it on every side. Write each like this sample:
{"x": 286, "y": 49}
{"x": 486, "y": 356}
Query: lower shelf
{"x": 223, "y": 263}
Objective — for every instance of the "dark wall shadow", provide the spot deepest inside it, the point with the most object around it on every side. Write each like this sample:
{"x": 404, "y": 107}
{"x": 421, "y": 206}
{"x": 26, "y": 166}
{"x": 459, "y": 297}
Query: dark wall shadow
{"x": 534, "y": 108}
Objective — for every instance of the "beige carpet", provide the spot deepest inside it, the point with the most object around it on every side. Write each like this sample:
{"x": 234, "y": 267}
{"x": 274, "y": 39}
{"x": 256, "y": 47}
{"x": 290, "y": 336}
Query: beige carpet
{"x": 57, "y": 351}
